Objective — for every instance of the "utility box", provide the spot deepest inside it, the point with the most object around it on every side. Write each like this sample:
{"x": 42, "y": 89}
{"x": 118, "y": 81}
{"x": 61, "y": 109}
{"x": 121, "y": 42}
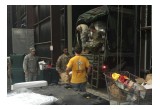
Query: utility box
{"x": 17, "y": 75}
{"x": 17, "y": 60}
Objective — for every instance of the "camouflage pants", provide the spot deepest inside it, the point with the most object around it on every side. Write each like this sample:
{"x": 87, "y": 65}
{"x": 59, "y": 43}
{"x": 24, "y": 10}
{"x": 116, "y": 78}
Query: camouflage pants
{"x": 31, "y": 77}
{"x": 84, "y": 39}
{"x": 64, "y": 78}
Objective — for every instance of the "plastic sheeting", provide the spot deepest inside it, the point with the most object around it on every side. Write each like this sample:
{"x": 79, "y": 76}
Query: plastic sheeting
{"x": 26, "y": 96}
{"x": 93, "y": 15}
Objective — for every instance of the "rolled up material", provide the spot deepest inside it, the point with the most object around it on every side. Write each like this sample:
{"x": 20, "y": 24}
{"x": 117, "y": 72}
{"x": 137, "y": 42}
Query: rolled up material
{"x": 29, "y": 84}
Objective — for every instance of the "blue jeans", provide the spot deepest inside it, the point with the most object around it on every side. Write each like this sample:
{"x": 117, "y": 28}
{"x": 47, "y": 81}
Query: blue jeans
{"x": 79, "y": 86}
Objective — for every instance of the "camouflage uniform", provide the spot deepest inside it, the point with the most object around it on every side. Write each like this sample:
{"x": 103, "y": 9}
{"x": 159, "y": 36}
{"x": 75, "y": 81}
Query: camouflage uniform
{"x": 61, "y": 64}
{"x": 30, "y": 67}
{"x": 83, "y": 29}
{"x": 95, "y": 41}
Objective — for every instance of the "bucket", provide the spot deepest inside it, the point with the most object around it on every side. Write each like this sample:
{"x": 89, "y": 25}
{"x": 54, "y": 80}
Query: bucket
{"x": 42, "y": 66}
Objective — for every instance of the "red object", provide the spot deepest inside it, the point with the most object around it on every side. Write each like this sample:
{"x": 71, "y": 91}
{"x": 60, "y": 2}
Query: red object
{"x": 104, "y": 68}
{"x": 49, "y": 66}
{"x": 121, "y": 79}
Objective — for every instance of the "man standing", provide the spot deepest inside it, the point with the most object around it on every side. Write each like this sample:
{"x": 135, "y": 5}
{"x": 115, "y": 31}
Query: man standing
{"x": 96, "y": 40}
{"x": 61, "y": 64}
{"x": 30, "y": 66}
{"x": 83, "y": 30}
{"x": 80, "y": 66}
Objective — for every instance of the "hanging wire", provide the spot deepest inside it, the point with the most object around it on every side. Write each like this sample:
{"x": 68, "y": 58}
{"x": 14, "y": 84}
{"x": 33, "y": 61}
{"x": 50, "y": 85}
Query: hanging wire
{"x": 106, "y": 38}
{"x": 51, "y": 34}
{"x": 135, "y": 40}
{"x": 117, "y": 36}
{"x": 121, "y": 35}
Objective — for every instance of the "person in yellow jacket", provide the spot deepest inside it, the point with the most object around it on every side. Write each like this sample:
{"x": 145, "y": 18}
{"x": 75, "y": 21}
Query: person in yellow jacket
{"x": 80, "y": 67}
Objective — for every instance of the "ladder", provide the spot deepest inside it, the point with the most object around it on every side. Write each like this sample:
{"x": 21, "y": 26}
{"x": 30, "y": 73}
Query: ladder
{"x": 96, "y": 70}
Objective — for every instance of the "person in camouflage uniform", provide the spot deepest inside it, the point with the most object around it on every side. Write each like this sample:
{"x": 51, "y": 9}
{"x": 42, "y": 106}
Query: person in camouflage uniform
{"x": 30, "y": 66}
{"x": 83, "y": 30}
{"x": 95, "y": 41}
{"x": 61, "y": 64}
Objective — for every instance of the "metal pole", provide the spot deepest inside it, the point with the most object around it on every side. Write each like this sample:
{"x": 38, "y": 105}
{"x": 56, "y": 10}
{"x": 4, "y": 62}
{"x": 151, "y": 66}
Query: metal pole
{"x": 145, "y": 43}
{"x": 51, "y": 34}
{"x": 140, "y": 41}
{"x": 26, "y": 17}
{"x": 69, "y": 27}
{"x": 151, "y": 44}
